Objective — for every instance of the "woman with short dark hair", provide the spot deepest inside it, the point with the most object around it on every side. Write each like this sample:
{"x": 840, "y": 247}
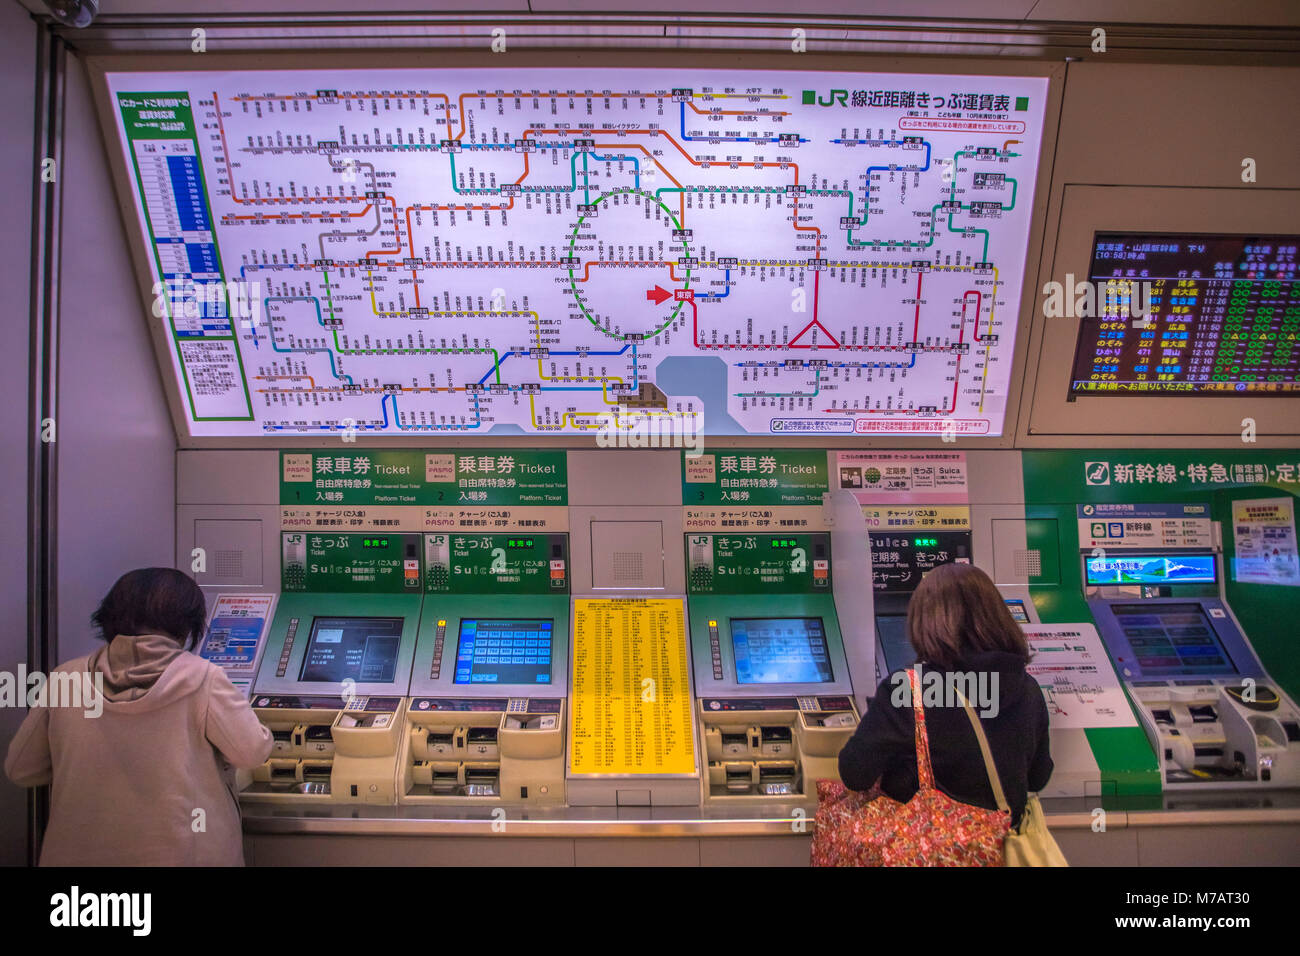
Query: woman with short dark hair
{"x": 966, "y": 641}
{"x": 141, "y": 770}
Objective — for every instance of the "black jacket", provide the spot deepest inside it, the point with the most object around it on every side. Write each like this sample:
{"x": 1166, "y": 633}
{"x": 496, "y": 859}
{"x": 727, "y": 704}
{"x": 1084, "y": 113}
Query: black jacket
{"x": 883, "y": 747}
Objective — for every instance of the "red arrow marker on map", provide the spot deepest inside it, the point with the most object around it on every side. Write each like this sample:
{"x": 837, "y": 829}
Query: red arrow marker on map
{"x": 658, "y": 294}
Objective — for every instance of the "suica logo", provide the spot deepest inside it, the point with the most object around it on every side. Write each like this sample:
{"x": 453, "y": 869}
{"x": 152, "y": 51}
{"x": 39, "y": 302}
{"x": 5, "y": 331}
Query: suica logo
{"x": 77, "y": 909}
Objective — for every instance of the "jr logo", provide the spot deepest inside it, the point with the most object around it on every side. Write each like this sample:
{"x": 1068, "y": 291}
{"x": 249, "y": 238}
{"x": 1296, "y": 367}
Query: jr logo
{"x": 1096, "y": 472}
{"x": 840, "y": 97}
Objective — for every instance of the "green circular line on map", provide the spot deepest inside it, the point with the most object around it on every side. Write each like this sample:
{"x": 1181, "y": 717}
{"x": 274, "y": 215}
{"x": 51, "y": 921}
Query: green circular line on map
{"x": 573, "y": 283}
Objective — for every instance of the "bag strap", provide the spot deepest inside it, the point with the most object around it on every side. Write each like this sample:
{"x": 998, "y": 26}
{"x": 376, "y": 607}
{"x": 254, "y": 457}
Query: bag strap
{"x": 989, "y": 765}
{"x": 924, "y": 769}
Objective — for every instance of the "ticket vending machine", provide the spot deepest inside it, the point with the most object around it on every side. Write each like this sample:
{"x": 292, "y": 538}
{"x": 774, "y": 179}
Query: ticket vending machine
{"x": 1067, "y": 661}
{"x": 775, "y": 697}
{"x": 1211, "y": 712}
{"x": 485, "y": 722}
{"x": 337, "y": 667}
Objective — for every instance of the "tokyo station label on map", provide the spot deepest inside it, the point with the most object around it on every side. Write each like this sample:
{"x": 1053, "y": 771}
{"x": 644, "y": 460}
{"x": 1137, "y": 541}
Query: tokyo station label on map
{"x": 537, "y": 251}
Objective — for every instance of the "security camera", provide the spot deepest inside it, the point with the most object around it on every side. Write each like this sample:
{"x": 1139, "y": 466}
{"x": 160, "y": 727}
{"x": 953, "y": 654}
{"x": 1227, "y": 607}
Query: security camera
{"x": 73, "y": 13}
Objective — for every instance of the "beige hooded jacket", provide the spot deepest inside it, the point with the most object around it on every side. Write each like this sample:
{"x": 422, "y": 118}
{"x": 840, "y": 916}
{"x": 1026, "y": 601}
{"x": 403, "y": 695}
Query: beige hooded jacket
{"x": 149, "y": 781}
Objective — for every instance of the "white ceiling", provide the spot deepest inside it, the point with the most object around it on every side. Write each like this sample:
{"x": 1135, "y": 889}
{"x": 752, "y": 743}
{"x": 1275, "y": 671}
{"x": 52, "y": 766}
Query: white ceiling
{"x": 1222, "y": 13}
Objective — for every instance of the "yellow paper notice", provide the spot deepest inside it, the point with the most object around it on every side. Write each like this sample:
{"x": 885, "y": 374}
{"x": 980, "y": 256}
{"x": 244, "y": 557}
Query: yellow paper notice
{"x": 631, "y": 691}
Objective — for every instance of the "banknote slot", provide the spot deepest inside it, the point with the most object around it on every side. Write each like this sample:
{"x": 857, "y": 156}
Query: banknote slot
{"x": 440, "y": 743}
{"x": 776, "y": 741}
{"x": 734, "y": 745}
{"x": 481, "y": 743}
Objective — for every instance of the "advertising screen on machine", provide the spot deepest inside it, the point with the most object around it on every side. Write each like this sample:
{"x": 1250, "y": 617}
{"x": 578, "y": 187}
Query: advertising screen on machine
{"x": 1153, "y": 569}
{"x": 569, "y": 251}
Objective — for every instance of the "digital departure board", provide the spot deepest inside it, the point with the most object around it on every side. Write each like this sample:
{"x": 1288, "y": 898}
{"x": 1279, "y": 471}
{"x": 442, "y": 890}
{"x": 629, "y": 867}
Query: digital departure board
{"x": 573, "y": 251}
{"x": 361, "y": 648}
{"x": 504, "y": 652}
{"x": 789, "y": 650}
{"x": 1182, "y": 314}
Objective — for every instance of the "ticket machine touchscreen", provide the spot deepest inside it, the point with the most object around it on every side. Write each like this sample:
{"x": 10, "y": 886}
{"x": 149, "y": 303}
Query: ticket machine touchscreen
{"x": 780, "y": 650}
{"x": 356, "y": 648}
{"x": 493, "y": 651}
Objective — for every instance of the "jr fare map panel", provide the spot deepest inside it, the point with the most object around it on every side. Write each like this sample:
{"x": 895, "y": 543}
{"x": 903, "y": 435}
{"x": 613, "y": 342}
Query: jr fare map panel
{"x": 565, "y": 251}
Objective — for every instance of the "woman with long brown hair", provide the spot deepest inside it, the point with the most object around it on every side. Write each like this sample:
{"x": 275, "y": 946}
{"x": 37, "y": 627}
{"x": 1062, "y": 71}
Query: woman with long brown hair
{"x": 968, "y": 647}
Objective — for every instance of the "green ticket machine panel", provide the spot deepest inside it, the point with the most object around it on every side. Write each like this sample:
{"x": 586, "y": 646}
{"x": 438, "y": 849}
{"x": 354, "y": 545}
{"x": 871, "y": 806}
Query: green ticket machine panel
{"x": 334, "y": 677}
{"x": 771, "y": 676}
{"x": 486, "y": 716}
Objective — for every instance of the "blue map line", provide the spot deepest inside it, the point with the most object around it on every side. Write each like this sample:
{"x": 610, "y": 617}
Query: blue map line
{"x": 266, "y": 303}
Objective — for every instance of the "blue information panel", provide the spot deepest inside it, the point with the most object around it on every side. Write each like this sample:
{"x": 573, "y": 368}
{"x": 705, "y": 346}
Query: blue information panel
{"x": 504, "y": 651}
{"x": 780, "y": 650}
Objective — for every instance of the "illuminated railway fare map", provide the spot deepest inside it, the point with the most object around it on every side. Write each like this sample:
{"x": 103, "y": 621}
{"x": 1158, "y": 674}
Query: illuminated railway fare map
{"x": 544, "y": 251}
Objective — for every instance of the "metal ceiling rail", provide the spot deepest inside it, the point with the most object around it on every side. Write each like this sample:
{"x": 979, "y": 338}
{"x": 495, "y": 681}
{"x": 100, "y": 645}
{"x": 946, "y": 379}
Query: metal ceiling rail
{"x": 732, "y": 33}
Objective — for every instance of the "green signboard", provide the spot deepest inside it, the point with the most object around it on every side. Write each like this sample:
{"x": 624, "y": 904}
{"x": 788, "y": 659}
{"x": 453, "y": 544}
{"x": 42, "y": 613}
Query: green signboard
{"x": 739, "y": 477}
{"x": 458, "y": 563}
{"x": 1156, "y": 475}
{"x": 758, "y": 563}
{"x": 1057, "y": 481}
{"x": 420, "y": 477}
{"x": 350, "y": 563}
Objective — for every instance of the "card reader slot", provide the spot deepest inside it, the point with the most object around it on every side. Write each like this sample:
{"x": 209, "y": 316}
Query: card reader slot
{"x": 1202, "y": 713}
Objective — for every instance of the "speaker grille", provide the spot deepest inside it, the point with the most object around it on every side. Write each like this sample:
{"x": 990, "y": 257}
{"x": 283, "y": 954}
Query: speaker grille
{"x": 1029, "y": 563}
{"x": 229, "y": 564}
{"x": 628, "y": 567}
